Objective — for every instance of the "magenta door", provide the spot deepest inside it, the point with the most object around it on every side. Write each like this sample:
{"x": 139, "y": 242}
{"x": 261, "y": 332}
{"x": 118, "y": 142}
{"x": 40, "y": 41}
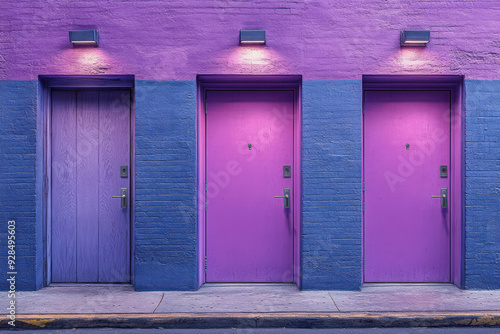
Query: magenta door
{"x": 249, "y": 144}
{"x": 90, "y": 230}
{"x": 406, "y": 141}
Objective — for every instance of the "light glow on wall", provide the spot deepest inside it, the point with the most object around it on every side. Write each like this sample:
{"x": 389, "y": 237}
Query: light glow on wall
{"x": 90, "y": 59}
{"x": 252, "y": 60}
{"x": 254, "y": 56}
{"x": 412, "y": 59}
{"x": 84, "y": 61}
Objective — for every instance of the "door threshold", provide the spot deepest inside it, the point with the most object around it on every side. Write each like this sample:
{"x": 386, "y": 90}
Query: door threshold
{"x": 407, "y": 284}
{"x": 252, "y": 284}
{"x": 89, "y": 284}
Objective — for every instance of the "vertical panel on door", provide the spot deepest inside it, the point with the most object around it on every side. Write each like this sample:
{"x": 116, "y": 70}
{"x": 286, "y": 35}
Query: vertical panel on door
{"x": 88, "y": 192}
{"x": 249, "y": 232}
{"x": 64, "y": 186}
{"x": 406, "y": 140}
{"x": 114, "y": 148}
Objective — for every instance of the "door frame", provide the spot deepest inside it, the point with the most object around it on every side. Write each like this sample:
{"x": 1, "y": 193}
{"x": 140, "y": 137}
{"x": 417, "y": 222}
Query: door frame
{"x": 454, "y": 84}
{"x": 46, "y": 83}
{"x": 249, "y": 82}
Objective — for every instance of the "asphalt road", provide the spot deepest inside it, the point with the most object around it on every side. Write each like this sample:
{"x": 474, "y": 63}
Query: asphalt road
{"x": 455, "y": 330}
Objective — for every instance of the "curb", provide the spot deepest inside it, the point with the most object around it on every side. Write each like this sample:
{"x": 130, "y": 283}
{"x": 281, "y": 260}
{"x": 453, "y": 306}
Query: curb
{"x": 257, "y": 320}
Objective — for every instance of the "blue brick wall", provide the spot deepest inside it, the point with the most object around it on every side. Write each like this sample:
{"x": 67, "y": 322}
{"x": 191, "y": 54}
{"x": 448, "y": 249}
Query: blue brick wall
{"x": 331, "y": 185}
{"x": 165, "y": 226}
{"x": 482, "y": 190}
{"x": 166, "y": 180}
{"x": 17, "y": 179}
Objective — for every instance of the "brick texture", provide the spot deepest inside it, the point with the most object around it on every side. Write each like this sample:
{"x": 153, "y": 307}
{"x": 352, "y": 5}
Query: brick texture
{"x": 331, "y": 185}
{"x": 482, "y": 190}
{"x": 166, "y": 180}
{"x": 17, "y": 179}
{"x": 177, "y": 39}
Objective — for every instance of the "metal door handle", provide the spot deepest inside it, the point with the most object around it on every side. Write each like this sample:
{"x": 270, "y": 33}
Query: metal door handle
{"x": 286, "y": 197}
{"x": 123, "y": 196}
{"x": 444, "y": 198}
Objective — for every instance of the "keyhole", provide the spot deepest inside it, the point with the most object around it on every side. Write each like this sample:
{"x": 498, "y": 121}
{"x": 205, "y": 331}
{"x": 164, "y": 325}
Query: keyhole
{"x": 249, "y": 146}
{"x": 407, "y": 146}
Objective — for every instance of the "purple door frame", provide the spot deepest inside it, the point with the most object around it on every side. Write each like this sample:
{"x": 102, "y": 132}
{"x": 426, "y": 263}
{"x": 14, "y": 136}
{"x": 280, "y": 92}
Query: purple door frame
{"x": 454, "y": 84}
{"x": 73, "y": 82}
{"x": 247, "y": 82}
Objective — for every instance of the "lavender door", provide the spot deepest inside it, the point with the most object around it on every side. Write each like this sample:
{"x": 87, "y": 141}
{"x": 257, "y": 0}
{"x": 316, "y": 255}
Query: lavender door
{"x": 90, "y": 229}
{"x": 406, "y": 141}
{"x": 249, "y": 140}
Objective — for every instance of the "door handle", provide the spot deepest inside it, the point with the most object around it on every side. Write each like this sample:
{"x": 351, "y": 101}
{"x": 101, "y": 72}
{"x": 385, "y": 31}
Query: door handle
{"x": 123, "y": 196}
{"x": 444, "y": 198}
{"x": 286, "y": 197}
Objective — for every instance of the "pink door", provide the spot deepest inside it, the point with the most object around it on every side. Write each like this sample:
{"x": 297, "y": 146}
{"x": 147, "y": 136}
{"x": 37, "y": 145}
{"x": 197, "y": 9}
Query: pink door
{"x": 406, "y": 162}
{"x": 90, "y": 230}
{"x": 249, "y": 156}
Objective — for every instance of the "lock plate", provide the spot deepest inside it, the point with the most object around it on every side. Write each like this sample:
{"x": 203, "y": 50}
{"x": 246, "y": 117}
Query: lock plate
{"x": 443, "y": 171}
{"x": 123, "y": 171}
{"x": 287, "y": 171}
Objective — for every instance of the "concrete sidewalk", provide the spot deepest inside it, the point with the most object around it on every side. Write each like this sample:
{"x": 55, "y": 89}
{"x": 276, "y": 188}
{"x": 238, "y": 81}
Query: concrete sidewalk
{"x": 254, "y": 305}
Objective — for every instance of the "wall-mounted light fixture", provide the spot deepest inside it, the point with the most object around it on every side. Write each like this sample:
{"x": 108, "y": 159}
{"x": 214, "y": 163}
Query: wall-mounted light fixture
{"x": 84, "y": 37}
{"x": 415, "y": 37}
{"x": 253, "y": 37}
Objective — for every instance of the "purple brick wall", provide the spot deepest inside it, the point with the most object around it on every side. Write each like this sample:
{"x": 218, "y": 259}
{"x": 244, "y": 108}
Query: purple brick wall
{"x": 322, "y": 40}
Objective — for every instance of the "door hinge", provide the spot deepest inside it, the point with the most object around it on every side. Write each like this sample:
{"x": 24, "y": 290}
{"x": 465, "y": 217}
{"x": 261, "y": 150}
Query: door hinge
{"x": 205, "y": 264}
{"x": 363, "y": 186}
